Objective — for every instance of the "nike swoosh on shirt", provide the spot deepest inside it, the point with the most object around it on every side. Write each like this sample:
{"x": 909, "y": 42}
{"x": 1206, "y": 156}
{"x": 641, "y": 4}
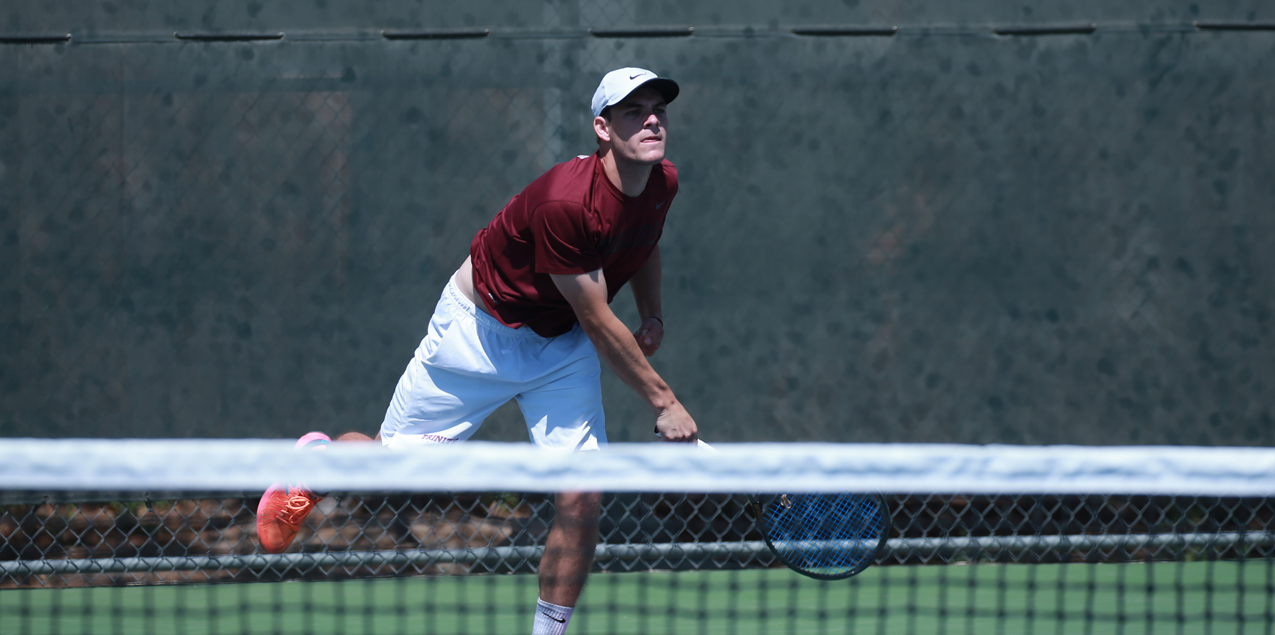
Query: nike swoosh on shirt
{"x": 661, "y": 204}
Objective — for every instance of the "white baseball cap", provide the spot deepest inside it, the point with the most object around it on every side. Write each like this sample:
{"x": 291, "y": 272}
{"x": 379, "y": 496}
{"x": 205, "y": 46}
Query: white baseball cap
{"x": 617, "y": 85}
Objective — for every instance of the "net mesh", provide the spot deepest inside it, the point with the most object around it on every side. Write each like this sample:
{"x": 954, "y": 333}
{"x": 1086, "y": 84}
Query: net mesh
{"x": 672, "y": 562}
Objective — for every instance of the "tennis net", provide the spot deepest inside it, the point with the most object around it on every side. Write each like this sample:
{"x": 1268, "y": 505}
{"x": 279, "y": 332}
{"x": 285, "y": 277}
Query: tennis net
{"x": 160, "y": 537}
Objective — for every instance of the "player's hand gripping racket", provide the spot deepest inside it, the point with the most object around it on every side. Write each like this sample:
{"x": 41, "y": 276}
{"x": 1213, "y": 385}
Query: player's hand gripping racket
{"x": 824, "y": 536}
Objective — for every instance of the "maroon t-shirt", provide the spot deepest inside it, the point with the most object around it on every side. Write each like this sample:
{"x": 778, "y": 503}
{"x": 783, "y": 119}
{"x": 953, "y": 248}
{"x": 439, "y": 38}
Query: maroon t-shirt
{"x": 570, "y": 220}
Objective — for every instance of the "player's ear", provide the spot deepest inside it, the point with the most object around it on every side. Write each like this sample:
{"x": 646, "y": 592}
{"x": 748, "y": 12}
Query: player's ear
{"x": 600, "y": 128}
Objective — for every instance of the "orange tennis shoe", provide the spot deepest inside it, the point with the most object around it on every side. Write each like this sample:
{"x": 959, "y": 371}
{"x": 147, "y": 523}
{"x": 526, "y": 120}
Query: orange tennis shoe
{"x": 283, "y": 507}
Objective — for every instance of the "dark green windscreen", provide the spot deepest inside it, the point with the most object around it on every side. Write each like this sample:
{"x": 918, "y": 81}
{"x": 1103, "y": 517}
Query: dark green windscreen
{"x": 946, "y": 235}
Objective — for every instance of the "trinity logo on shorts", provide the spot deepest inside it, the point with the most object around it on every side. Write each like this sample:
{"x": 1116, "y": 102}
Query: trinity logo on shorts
{"x": 437, "y": 438}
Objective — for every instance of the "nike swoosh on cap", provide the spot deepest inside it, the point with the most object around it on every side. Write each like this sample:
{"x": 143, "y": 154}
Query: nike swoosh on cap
{"x": 636, "y": 76}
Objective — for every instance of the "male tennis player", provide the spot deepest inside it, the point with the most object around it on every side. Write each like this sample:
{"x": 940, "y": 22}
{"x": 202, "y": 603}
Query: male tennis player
{"x": 526, "y": 317}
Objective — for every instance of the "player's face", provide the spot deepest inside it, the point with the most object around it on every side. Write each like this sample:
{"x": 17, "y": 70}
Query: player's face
{"x": 638, "y": 127}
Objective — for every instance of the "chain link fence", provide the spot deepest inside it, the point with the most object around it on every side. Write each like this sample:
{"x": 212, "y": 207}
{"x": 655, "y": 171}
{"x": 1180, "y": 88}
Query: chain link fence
{"x": 943, "y": 232}
{"x": 54, "y": 544}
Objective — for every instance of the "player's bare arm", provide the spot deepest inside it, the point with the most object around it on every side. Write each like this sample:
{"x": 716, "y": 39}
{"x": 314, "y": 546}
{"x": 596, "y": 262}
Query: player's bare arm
{"x": 587, "y": 294}
{"x": 645, "y": 285}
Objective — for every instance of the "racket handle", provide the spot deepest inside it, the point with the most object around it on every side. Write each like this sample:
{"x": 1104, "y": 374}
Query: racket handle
{"x": 699, "y": 442}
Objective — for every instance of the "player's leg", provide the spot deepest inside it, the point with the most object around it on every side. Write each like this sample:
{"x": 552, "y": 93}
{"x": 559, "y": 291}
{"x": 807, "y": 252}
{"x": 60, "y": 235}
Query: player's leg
{"x": 284, "y": 506}
{"x": 567, "y": 559}
{"x": 444, "y": 394}
{"x": 357, "y": 436}
{"x": 565, "y": 411}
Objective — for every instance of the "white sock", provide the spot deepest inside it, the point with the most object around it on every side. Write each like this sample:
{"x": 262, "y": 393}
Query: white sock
{"x": 551, "y": 619}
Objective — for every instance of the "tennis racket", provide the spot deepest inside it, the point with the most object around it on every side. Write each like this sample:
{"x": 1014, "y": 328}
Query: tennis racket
{"x": 823, "y": 536}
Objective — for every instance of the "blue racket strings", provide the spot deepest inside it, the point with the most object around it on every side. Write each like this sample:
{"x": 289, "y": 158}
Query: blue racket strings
{"x": 827, "y": 535}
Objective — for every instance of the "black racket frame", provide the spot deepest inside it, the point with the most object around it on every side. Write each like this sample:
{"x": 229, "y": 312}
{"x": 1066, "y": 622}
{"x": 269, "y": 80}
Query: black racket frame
{"x": 760, "y": 511}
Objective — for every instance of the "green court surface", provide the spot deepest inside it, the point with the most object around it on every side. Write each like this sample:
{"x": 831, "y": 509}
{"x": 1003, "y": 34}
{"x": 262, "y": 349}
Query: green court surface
{"x": 1198, "y": 597}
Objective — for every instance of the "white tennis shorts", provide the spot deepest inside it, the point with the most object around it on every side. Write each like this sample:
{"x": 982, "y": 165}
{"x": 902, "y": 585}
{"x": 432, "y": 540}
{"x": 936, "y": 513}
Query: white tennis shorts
{"x": 469, "y": 364}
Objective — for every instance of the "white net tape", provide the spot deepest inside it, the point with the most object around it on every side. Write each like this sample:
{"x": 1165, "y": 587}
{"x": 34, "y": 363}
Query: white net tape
{"x": 223, "y": 465}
